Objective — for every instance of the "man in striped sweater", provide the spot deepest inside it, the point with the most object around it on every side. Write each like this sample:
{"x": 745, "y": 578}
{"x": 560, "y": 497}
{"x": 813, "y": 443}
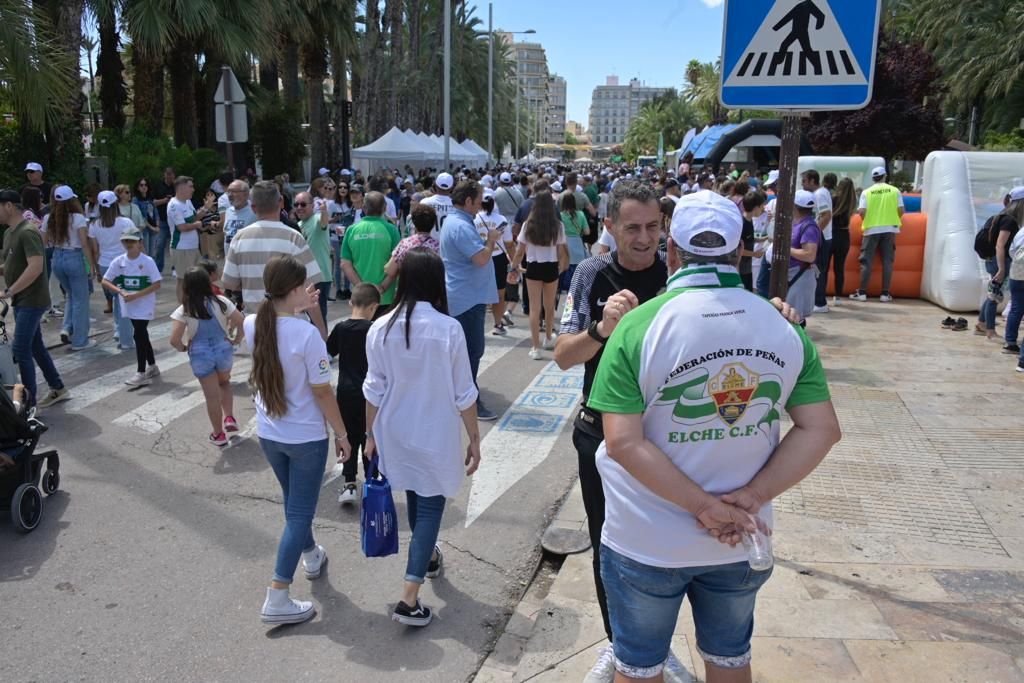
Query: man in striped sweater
{"x": 254, "y": 245}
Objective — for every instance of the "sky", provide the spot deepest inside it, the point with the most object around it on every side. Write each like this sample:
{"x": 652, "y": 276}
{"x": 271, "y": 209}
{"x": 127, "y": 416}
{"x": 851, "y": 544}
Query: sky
{"x": 652, "y": 40}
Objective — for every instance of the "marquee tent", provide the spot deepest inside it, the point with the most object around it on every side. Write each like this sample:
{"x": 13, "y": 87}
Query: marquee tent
{"x": 391, "y": 149}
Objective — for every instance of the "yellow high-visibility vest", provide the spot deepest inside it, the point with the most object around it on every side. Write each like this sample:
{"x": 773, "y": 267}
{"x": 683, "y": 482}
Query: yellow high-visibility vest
{"x": 883, "y": 207}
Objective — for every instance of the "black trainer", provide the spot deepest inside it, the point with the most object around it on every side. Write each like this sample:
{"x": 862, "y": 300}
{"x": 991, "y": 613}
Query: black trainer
{"x": 434, "y": 568}
{"x": 1011, "y": 348}
{"x": 412, "y": 616}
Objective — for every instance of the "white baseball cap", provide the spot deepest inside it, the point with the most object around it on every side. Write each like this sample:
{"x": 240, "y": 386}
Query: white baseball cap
{"x": 878, "y": 172}
{"x": 487, "y": 180}
{"x": 706, "y": 211}
{"x": 106, "y": 198}
{"x": 33, "y": 166}
{"x": 345, "y": 171}
{"x": 445, "y": 181}
{"x": 322, "y": 171}
{"x": 505, "y": 178}
{"x": 64, "y": 193}
{"x": 488, "y": 193}
{"x": 556, "y": 186}
{"x": 804, "y": 199}
{"x": 1017, "y": 193}
{"x": 773, "y": 177}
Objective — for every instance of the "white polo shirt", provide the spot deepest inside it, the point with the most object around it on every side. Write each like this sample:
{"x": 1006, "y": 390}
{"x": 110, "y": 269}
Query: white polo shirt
{"x": 711, "y": 392}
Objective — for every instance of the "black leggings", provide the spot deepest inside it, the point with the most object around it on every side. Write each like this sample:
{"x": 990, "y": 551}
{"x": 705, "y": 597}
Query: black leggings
{"x": 143, "y": 347}
{"x": 840, "y": 250}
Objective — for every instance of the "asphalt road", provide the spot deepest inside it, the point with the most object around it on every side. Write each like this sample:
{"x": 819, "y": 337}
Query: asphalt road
{"x": 151, "y": 561}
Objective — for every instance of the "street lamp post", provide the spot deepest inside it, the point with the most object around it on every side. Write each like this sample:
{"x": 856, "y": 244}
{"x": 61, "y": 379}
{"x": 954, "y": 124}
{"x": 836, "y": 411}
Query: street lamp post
{"x": 447, "y": 81}
{"x": 490, "y": 82}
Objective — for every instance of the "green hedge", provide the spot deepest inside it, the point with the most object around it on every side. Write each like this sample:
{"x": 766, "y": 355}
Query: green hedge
{"x": 137, "y": 153}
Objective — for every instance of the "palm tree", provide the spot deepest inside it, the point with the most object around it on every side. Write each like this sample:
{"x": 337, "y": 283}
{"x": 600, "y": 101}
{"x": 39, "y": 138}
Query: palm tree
{"x": 702, "y": 84}
{"x": 668, "y": 115}
{"x": 38, "y": 77}
{"x": 113, "y": 92}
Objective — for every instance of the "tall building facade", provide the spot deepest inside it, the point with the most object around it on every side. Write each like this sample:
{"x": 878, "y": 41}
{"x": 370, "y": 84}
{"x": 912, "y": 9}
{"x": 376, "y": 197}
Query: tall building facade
{"x": 613, "y": 107}
{"x": 554, "y": 120}
{"x": 532, "y": 75}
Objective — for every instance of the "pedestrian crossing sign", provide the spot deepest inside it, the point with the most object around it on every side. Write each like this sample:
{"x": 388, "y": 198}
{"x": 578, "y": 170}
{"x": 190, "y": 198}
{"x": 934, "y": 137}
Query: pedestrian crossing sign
{"x": 799, "y": 54}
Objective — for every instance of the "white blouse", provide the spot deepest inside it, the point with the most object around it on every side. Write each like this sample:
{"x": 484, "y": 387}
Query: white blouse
{"x": 420, "y": 393}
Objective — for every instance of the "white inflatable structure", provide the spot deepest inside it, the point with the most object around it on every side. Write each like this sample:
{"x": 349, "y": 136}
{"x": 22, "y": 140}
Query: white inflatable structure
{"x": 961, "y": 190}
{"x": 857, "y": 169}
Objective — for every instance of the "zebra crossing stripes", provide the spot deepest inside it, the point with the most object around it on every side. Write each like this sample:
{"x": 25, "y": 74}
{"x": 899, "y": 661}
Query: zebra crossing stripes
{"x": 838, "y": 63}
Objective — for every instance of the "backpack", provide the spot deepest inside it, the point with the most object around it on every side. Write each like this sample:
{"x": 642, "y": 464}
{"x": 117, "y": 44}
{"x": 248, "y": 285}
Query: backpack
{"x": 984, "y": 245}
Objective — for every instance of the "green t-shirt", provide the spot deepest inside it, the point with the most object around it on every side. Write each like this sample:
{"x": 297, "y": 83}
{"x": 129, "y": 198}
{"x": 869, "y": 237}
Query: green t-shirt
{"x": 20, "y": 243}
{"x": 319, "y": 240}
{"x": 368, "y": 245}
{"x": 592, "y": 194}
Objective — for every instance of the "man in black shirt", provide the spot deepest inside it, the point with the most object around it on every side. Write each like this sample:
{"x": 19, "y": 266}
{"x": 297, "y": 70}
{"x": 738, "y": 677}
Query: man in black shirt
{"x": 34, "y": 178}
{"x": 163, "y": 191}
{"x": 604, "y": 288}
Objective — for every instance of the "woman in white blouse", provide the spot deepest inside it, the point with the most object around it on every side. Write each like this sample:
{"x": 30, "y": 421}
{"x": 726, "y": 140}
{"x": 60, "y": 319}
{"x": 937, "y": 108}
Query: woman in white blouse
{"x": 67, "y": 231}
{"x": 419, "y": 374}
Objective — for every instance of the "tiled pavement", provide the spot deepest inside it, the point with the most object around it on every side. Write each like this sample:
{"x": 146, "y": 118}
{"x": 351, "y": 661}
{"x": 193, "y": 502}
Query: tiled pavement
{"x": 901, "y": 559}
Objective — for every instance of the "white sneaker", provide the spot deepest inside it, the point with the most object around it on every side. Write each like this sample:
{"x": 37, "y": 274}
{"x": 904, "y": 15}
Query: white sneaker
{"x": 348, "y": 495}
{"x": 604, "y": 668}
{"x": 836, "y": 300}
{"x": 549, "y": 343}
{"x": 674, "y": 671}
{"x": 152, "y": 371}
{"x": 139, "y": 379}
{"x": 508, "y": 319}
{"x": 279, "y": 608}
{"x": 885, "y": 298}
{"x": 857, "y": 296}
{"x": 314, "y": 561}
{"x": 535, "y": 354}
{"x": 821, "y": 309}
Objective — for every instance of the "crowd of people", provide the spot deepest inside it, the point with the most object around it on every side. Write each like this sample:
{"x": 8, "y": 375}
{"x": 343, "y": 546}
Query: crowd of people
{"x": 651, "y": 280}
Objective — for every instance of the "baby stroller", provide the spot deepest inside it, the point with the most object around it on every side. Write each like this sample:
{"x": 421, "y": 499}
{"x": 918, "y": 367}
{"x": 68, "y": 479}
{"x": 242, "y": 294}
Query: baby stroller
{"x": 21, "y": 482}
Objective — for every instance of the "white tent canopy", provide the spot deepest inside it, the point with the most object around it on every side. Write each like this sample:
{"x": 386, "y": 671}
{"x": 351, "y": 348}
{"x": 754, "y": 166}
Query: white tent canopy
{"x": 481, "y": 153}
{"x": 391, "y": 149}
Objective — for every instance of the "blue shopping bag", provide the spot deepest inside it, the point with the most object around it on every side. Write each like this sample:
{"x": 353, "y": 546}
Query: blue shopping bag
{"x": 379, "y": 521}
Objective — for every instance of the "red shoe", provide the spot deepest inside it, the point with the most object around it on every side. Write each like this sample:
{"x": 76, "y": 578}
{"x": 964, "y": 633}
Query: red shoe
{"x": 230, "y": 425}
{"x": 219, "y": 440}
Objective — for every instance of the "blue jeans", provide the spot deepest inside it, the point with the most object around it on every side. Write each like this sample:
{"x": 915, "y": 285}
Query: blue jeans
{"x": 472, "y": 321}
{"x": 159, "y": 245}
{"x": 987, "y": 314}
{"x": 299, "y": 469}
{"x": 644, "y": 602}
{"x": 425, "y": 521}
{"x": 207, "y": 356}
{"x": 340, "y": 281}
{"x": 28, "y": 345}
{"x": 69, "y": 268}
{"x": 764, "y": 278}
{"x": 1016, "y": 312}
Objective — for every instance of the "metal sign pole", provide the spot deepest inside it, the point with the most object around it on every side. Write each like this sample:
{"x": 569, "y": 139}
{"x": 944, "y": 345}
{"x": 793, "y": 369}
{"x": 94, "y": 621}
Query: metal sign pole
{"x": 229, "y": 124}
{"x": 784, "y": 204}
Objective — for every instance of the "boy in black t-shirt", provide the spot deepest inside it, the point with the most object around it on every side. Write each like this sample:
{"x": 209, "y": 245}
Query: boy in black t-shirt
{"x": 348, "y": 342}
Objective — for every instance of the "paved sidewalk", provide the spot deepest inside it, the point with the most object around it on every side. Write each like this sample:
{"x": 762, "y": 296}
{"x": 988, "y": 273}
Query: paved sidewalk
{"x": 901, "y": 559}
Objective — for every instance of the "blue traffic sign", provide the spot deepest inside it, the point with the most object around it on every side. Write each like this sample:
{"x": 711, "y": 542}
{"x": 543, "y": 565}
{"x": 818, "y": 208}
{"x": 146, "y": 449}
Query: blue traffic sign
{"x": 799, "y": 54}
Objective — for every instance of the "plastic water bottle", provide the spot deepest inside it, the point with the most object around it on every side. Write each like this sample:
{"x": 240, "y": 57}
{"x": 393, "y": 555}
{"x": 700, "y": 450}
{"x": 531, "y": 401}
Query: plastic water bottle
{"x": 759, "y": 547}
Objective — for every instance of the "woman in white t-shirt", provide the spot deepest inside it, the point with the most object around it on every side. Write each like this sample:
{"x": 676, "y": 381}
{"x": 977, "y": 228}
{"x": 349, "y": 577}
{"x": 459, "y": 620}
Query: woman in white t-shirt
{"x": 542, "y": 243}
{"x": 67, "y": 231}
{"x": 105, "y": 242}
{"x": 487, "y": 219}
{"x": 418, "y": 389}
{"x": 291, "y": 384}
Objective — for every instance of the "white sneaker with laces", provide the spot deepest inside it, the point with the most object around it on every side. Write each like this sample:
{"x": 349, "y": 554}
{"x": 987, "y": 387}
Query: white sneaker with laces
{"x": 508, "y": 319}
{"x": 279, "y": 608}
{"x": 535, "y": 354}
{"x": 604, "y": 668}
{"x": 821, "y": 309}
{"x": 549, "y": 343}
{"x": 857, "y": 296}
{"x": 885, "y": 298}
{"x": 348, "y": 495}
{"x": 152, "y": 371}
{"x": 836, "y": 300}
{"x": 314, "y": 561}
{"x": 139, "y": 379}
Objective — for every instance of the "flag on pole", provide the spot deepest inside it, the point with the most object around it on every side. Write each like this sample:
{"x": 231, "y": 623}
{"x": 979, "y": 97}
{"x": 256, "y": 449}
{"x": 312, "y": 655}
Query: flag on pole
{"x": 661, "y": 150}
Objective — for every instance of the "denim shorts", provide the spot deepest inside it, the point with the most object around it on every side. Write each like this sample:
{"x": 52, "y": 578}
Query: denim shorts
{"x": 209, "y": 356}
{"x": 644, "y": 602}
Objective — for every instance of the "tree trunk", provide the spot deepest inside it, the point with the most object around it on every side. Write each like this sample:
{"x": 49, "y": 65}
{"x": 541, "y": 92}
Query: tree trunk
{"x": 410, "y": 100}
{"x": 181, "y": 66}
{"x": 314, "y": 69}
{"x": 369, "y": 111}
{"x": 148, "y": 88}
{"x": 290, "y": 70}
{"x": 110, "y": 68}
{"x": 397, "y": 83}
{"x": 65, "y": 140}
{"x": 340, "y": 74}
{"x": 269, "y": 74}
